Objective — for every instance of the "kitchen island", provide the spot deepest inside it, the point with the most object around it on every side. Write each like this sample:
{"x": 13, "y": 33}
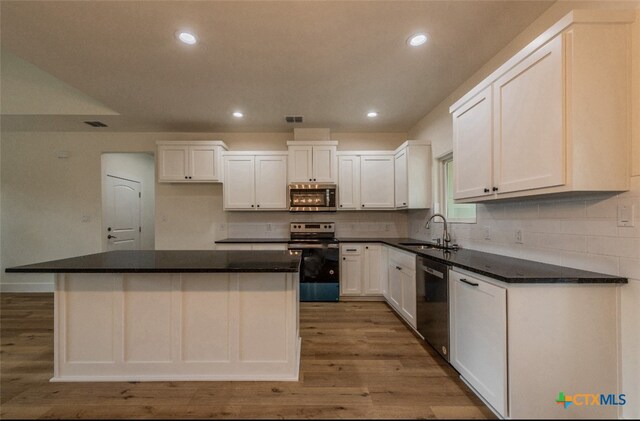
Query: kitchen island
{"x": 175, "y": 315}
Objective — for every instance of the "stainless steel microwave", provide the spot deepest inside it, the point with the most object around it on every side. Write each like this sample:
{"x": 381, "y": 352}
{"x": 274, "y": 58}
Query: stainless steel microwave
{"x": 312, "y": 197}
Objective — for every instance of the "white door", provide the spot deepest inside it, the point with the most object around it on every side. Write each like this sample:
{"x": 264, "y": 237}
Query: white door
{"x": 401, "y": 179}
{"x": 529, "y": 122}
{"x": 271, "y": 182}
{"x": 173, "y": 163}
{"x": 239, "y": 182}
{"x": 472, "y": 147}
{"x": 300, "y": 164}
{"x": 349, "y": 182}
{"x": 324, "y": 164}
{"x": 204, "y": 163}
{"x": 122, "y": 214}
{"x": 376, "y": 182}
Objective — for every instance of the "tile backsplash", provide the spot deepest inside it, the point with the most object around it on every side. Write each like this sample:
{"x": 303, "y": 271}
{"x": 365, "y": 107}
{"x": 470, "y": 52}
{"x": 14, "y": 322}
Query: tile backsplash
{"x": 579, "y": 232}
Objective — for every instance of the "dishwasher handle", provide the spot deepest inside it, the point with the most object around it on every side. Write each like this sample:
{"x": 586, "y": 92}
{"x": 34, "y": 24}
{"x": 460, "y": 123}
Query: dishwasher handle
{"x": 433, "y": 272}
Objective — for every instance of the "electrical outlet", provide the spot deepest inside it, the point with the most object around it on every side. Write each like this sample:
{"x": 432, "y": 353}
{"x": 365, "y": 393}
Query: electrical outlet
{"x": 86, "y": 218}
{"x": 519, "y": 239}
{"x": 487, "y": 233}
{"x": 625, "y": 215}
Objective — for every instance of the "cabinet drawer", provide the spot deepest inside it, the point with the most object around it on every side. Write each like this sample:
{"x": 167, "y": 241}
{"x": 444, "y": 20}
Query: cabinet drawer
{"x": 408, "y": 260}
{"x": 348, "y": 249}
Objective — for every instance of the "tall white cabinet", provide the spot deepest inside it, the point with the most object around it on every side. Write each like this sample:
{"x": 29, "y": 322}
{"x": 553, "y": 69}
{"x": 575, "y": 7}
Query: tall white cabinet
{"x": 554, "y": 118}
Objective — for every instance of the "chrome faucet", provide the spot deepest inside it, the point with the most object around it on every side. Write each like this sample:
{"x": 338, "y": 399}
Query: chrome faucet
{"x": 446, "y": 238}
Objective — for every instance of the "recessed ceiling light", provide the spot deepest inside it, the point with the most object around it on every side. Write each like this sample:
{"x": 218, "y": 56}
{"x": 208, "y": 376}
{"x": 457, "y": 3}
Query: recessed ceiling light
{"x": 417, "y": 39}
{"x": 187, "y": 37}
{"x": 372, "y": 114}
{"x": 238, "y": 114}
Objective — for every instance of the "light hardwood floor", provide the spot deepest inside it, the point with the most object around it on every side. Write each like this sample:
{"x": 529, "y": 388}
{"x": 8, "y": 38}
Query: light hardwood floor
{"x": 358, "y": 361}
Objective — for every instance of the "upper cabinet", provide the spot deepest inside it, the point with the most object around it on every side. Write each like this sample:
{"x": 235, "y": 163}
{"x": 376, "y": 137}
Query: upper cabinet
{"x": 554, "y": 118}
{"x": 413, "y": 175}
{"x": 377, "y": 182}
{"x": 255, "y": 181}
{"x": 188, "y": 162}
{"x": 313, "y": 161}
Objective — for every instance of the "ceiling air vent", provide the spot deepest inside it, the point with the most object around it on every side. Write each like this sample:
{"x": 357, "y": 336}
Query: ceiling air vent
{"x": 293, "y": 118}
{"x": 95, "y": 123}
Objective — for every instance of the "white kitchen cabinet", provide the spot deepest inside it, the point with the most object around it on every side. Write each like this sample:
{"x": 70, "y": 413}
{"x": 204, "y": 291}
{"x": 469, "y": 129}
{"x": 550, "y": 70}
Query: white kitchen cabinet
{"x": 255, "y": 182}
{"x": 384, "y": 272}
{"x": 188, "y": 162}
{"x": 349, "y": 182}
{"x": 478, "y": 339}
{"x": 413, "y": 175}
{"x": 377, "y": 182}
{"x": 351, "y": 269}
{"x": 472, "y": 143}
{"x": 271, "y": 182}
{"x": 402, "y": 285}
{"x": 361, "y": 267}
{"x": 313, "y": 162}
{"x": 373, "y": 269}
{"x": 536, "y": 125}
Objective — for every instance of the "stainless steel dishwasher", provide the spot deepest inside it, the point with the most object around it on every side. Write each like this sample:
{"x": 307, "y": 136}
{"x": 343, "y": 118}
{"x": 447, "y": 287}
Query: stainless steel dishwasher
{"x": 432, "y": 307}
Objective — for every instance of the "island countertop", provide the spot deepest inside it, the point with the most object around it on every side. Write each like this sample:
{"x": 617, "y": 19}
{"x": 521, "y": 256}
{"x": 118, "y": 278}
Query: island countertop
{"x": 169, "y": 261}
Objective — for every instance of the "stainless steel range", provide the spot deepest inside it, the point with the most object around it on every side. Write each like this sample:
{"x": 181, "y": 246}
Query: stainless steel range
{"x": 320, "y": 270}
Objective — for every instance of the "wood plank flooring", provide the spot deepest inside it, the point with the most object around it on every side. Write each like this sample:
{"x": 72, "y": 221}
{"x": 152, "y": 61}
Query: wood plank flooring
{"x": 358, "y": 361}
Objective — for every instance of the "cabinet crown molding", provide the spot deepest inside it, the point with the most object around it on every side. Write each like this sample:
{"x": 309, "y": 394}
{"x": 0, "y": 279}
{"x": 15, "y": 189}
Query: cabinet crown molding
{"x": 192, "y": 143}
{"x": 312, "y": 143}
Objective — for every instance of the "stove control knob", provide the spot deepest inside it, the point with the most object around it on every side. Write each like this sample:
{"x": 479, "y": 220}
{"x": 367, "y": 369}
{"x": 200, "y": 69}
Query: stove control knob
{"x": 331, "y": 272}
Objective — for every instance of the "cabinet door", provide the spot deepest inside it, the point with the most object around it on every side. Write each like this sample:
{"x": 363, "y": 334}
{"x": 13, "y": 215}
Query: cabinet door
{"x": 351, "y": 275}
{"x": 204, "y": 163}
{"x": 324, "y": 164}
{"x": 395, "y": 285}
{"x": 376, "y": 182}
{"x": 271, "y": 182}
{"x": 372, "y": 269}
{"x": 479, "y": 336}
{"x": 408, "y": 303}
{"x": 239, "y": 182}
{"x": 384, "y": 272}
{"x": 401, "y": 179}
{"x": 173, "y": 163}
{"x": 349, "y": 182}
{"x": 529, "y": 122}
{"x": 472, "y": 147}
{"x": 300, "y": 164}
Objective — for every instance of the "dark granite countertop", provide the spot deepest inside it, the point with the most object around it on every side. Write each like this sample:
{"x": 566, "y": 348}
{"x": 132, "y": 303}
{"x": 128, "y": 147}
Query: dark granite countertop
{"x": 252, "y": 240}
{"x": 169, "y": 261}
{"x": 506, "y": 269}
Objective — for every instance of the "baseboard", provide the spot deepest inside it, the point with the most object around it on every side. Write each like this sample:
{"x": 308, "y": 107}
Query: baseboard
{"x": 26, "y": 287}
{"x": 362, "y": 298}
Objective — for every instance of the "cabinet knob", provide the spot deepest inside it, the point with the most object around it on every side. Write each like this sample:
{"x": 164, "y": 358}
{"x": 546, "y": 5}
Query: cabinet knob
{"x": 363, "y": 206}
{"x": 367, "y": 247}
{"x": 186, "y": 178}
{"x": 486, "y": 190}
{"x": 251, "y": 205}
{"x": 258, "y": 205}
{"x": 404, "y": 203}
{"x": 310, "y": 179}
{"x": 495, "y": 189}
{"x": 340, "y": 205}
{"x": 344, "y": 258}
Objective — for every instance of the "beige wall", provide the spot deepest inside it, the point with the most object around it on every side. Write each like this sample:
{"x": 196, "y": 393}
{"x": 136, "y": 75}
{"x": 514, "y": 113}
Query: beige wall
{"x": 44, "y": 198}
{"x": 581, "y": 233}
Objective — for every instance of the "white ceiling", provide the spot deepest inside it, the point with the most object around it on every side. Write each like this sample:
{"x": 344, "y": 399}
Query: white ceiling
{"x": 330, "y": 61}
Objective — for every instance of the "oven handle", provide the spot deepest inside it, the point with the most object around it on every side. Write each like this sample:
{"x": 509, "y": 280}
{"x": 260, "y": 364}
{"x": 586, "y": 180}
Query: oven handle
{"x": 297, "y": 246}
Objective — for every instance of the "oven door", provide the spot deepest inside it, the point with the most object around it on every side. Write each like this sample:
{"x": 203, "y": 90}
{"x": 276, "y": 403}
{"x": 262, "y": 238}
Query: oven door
{"x": 310, "y": 198}
{"x": 319, "y": 272}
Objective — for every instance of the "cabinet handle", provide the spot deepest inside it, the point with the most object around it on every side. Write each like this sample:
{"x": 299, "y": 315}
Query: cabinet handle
{"x": 186, "y": 178}
{"x": 469, "y": 283}
{"x": 495, "y": 189}
{"x": 258, "y": 205}
{"x": 340, "y": 205}
{"x": 486, "y": 190}
{"x": 352, "y": 250}
{"x": 367, "y": 247}
{"x": 363, "y": 206}
{"x": 404, "y": 203}
{"x": 251, "y": 205}
{"x": 344, "y": 258}
{"x": 398, "y": 267}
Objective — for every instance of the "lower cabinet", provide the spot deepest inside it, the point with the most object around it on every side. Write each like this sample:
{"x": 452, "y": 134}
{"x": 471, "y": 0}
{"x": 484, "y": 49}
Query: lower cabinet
{"x": 519, "y": 345}
{"x": 479, "y": 336}
{"x": 402, "y": 284}
{"x": 361, "y": 266}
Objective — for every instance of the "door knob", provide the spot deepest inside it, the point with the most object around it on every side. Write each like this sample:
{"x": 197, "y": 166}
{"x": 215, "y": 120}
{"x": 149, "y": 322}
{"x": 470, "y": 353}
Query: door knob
{"x": 111, "y": 236}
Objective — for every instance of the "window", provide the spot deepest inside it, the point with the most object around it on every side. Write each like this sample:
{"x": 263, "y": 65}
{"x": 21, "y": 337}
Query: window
{"x": 454, "y": 212}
